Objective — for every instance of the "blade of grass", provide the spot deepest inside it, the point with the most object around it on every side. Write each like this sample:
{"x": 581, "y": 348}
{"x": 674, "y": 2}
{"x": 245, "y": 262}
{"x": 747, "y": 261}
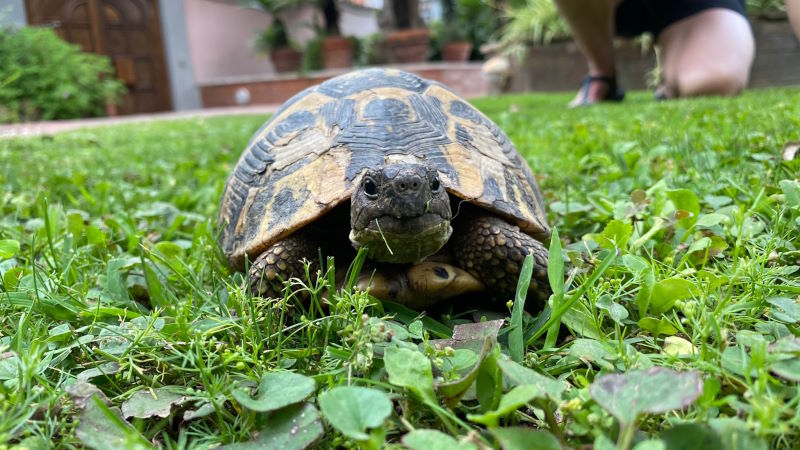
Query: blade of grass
{"x": 515, "y": 341}
{"x": 556, "y": 314}
{"x": 355, "y": 268}
{"x": 555, "y": 274}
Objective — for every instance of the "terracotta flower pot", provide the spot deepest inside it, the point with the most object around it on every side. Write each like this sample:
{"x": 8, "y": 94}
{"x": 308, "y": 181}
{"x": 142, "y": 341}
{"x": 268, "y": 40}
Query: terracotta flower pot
{"x": 286, "y": 59}
{"x": 408, "y": 46}
{"x": 337, "y": 52}
{"x": 457, "y": 51}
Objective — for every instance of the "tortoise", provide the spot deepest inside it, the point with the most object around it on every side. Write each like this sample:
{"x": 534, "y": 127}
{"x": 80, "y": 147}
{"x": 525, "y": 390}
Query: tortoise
{"x": 383, "y": 159}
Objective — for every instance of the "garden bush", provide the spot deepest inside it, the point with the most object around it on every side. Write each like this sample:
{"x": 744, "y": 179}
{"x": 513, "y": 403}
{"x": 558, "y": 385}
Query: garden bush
{"x": 44, "y": 78}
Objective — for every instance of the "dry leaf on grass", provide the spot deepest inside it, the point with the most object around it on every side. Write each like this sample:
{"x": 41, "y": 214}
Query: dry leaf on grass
{"x": 790, "y": 150}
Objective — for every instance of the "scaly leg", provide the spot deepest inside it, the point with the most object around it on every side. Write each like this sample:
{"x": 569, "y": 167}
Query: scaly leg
{"x": 493, "y": 251}
{"x": 282, "y": 261}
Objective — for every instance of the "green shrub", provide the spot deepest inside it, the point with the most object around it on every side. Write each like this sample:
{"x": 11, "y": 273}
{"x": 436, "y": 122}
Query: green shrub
{"x": 464, "y": 20}
{"x": 478, "y": 18}
{"x": 273, "y": 37}
{"x": 312, "y": 54}
{"x": 43, "y": 78}
{"x": 368, "y": 50}
{"x": 533, "y": 22}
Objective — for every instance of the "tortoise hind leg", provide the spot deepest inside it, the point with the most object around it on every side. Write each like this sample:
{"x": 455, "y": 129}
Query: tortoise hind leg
{"x": 493, "y": 250}
{"x": 282, "y": 261}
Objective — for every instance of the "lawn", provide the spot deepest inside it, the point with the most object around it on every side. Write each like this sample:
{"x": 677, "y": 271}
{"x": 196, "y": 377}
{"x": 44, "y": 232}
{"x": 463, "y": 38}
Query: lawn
{"x": 121, "y": 326}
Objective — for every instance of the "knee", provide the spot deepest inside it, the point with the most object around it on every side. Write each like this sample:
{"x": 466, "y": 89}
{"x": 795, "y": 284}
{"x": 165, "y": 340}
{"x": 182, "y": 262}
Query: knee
{"x": 700, "y": 81}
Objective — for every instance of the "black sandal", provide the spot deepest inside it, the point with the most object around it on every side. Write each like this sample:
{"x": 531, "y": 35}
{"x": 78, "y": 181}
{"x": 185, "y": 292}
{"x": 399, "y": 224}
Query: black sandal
{"x": 614, "y": 94}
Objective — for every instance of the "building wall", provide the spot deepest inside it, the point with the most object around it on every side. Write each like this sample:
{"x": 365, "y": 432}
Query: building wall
{"x": 220, "y": 39}
{"x": 355, "y": 21}
{"x": 12, "y": 12}
{"x": 221, "y": 35}
{"x": 184, "y": 89}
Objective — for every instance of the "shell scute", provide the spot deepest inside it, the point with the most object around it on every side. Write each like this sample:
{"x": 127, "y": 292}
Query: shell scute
{"x": 354, "y": 82}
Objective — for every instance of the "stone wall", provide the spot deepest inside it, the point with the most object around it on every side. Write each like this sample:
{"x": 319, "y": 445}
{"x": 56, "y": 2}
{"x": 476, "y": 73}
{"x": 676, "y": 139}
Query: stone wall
{"x": 466, "y": 79}
{"x": 561, "y": 67}
{"x": 777, "y": 55}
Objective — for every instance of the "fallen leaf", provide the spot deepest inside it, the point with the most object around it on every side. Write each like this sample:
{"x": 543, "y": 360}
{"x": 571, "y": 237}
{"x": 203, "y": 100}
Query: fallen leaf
{"x": 480, "y": 330}
{"x": 678, "y": 346}
{"x": 204, "y": 410}
{"x": 106, "y": 369}
{"x": 790, "y": 150}
{"x": 103, "y": 428}
{"x": 144, "y": 404}
{"x": 81, "y": 392}
{"x": 471, "y": 335}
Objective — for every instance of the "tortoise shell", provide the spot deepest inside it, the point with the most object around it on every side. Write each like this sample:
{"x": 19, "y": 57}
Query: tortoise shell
{"x": 310, "y": 155}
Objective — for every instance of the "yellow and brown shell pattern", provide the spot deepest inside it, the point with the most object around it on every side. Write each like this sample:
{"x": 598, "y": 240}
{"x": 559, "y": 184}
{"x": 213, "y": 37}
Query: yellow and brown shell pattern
{"x": 308, "y": 157}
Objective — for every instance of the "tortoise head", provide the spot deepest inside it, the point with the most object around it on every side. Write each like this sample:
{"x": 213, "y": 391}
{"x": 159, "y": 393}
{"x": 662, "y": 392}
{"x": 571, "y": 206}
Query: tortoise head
{"x": 400, "y": 212}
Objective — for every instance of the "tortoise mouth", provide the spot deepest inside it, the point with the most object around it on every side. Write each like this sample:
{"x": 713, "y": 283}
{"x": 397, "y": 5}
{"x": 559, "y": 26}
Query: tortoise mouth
{"x": 403, "y": 240}
{"x": 405, "y": 225}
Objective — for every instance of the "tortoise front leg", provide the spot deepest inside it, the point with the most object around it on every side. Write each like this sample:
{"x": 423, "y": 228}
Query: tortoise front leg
{"x": 281, "y": 261}
{"x": 493, "y": 251}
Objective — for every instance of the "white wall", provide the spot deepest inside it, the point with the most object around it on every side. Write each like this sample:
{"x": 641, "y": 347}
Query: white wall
{"x": 185, "y": 93}
{"x": 220, "y": 39}
{"x": 359, "y": 22}
{"x": 221, "y": 35}
{"x": 12, "y": 12}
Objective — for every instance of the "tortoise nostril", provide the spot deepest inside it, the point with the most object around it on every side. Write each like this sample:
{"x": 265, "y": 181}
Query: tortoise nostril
{"x": 408, "y": 183}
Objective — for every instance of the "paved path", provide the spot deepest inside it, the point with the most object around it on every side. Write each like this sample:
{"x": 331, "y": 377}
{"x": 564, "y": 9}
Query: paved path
{"x": 59, "y": 126}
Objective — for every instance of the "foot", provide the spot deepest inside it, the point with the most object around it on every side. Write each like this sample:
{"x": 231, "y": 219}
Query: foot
{"x": 493, "y": 250}
{"x": 281, "y": 262}
{"x": 596, "y": 89}
{"x": 662, "y": 92}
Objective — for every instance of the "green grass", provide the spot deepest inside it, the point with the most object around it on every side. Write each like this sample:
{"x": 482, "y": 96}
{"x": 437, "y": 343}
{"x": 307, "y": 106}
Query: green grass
{"x": 679, "y": 227}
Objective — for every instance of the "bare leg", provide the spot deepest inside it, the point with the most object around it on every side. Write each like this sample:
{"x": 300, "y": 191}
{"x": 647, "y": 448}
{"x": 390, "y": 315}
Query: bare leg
{"x": 793, "y": 10}
{"x": 592, "y": 26}
{"x": 709, "y": 53}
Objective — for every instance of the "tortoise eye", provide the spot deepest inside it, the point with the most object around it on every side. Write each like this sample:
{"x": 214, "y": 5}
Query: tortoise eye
{"x": 435, "y": 185}
{"x": 370, "y": 188}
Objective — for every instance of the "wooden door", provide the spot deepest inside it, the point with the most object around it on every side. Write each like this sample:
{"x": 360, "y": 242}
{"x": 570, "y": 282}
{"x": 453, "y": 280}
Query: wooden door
{"x": 127, "y": 31}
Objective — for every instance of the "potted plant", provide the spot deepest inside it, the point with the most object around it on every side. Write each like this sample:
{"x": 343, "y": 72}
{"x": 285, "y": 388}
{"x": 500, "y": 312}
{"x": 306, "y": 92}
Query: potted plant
{"x": 408, "y": 39}
{"x": 275, "y": 41}
{"x": 283, "y": 52}
{"x": 453, "y": 41}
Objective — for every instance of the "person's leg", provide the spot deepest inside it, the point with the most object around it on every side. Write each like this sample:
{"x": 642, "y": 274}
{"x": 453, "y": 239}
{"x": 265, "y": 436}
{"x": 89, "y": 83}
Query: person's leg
{"x": 592, "y": 26}
{"x": 709, "y": 53}
{"x": 793, "y": 11}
